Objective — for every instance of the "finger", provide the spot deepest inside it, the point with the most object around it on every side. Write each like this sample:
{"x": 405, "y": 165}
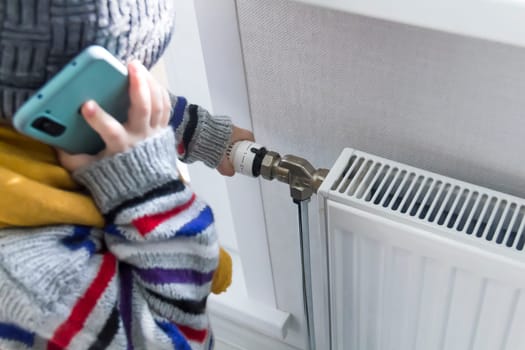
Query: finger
{"x": 140, "y": 99}
{"x": 239, "y": 134}
{"x": 166, "y": 112}
{"x": 110, "y": 130}
{"x": 157, "y": 100}
{"x": 225, "y": 167}
{"x": 73, "y": 162}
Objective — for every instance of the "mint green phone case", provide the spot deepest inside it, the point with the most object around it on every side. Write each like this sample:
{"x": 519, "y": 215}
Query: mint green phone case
{"x": 52, "y": 114}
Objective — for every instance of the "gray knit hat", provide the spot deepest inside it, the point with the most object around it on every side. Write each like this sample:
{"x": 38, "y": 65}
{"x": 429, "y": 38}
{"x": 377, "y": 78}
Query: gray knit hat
{"x": 38, "y": 37}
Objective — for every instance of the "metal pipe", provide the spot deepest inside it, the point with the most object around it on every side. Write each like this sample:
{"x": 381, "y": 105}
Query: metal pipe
{"x": 303, "y": 179}
{"x": 304, "y": 240}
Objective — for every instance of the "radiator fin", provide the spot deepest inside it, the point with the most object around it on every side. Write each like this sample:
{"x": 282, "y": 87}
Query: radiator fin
{"x": 398, "y": 299}
{"x": 434, "y": 199}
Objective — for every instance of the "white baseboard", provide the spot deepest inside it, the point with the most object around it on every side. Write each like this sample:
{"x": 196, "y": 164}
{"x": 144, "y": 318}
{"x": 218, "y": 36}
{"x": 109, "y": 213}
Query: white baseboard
{"x": 233, "y": 336}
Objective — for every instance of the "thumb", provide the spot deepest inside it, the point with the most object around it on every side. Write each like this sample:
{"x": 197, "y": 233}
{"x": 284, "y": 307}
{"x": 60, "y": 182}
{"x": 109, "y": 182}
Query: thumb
{"x": 73, "y": 162}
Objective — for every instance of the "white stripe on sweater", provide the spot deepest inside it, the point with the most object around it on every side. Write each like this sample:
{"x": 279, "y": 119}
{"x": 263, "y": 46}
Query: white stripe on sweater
{"x": 12, "y": 345}
{"x": 165, "y": 261}
{"x": 152, "y": 337}
{"x": 198, "y": 321}
{"x": 154, "y": 206}
{"x": 188, "y": 245}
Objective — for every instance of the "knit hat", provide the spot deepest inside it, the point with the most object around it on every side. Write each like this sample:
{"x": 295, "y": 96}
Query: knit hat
{"x": 39, "y": 37}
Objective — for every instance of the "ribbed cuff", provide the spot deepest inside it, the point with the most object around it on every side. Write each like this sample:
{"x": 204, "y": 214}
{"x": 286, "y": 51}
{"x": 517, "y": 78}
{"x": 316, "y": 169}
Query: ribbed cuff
{"x": 212, "y": 138}
{"x": 133, "y": 173}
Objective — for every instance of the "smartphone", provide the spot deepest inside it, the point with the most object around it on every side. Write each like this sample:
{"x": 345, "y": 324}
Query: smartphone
{"x": 52, "y": 115}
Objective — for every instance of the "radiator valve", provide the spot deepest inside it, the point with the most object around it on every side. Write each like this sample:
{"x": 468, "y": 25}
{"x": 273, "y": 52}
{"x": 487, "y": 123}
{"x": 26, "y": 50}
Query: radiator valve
{"x": 252, "y": 159}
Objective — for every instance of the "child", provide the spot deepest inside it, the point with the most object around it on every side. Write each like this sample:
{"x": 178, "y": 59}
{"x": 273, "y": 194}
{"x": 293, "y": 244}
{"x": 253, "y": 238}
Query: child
{"x": 138, "y": 276}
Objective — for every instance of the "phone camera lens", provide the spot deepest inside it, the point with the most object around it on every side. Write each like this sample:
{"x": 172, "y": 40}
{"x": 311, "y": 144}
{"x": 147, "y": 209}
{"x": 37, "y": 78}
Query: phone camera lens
{"x": 48, "y": 126}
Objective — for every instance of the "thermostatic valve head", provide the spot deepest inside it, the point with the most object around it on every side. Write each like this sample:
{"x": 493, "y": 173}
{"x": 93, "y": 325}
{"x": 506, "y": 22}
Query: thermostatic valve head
{"x": 252, "y": 159}
{"x": 246, "y": 157}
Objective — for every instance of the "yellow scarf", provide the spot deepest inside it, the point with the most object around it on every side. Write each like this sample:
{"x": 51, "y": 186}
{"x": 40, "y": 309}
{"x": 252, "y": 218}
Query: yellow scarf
{"x": 36, "y": 191}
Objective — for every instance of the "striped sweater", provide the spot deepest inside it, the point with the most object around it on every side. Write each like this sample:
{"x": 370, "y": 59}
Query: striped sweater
{"x": 142, "y": 281}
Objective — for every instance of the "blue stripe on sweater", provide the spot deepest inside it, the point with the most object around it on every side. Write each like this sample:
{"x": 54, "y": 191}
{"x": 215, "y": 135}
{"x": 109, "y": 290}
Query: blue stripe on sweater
{"x": 177, "y": 339}
{"x": 178, "y": 112}
{"x": 114, "y": 231}
{"x": 197, "y": 225}
{"x": 11, "y": 332}
{"x": 80, "y": 239}
{"x": 80, "y": 232}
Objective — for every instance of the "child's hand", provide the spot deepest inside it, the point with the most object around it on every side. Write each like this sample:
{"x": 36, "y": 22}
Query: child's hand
{"x": 148, "y": 114}
{"x": 225, "y": 166}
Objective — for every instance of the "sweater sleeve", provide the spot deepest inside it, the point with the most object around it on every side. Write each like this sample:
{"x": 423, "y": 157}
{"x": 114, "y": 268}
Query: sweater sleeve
{"x": 163, "y": 236}
{"x": 200, "y": 136}
{"x": 141, "y": 282}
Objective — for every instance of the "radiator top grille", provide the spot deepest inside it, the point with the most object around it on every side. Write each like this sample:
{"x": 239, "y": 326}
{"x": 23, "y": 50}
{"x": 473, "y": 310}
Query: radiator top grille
{"x": 424, "y": 196}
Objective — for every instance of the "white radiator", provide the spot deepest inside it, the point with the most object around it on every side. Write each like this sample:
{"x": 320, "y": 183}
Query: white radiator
{"x": 420, "y": 261}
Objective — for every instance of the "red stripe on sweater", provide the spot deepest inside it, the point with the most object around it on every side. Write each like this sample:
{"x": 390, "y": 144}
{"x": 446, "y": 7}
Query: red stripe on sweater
{"x": 147, "y": 223}
{"x": 198, "y": 335}
{"x": 180, "y": 148}
{"x": 83, "y": 307}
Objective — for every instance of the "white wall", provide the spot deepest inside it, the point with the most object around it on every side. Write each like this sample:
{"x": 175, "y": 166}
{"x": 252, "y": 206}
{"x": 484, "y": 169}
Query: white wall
{"x": 497, "y": 20}
{"x": 321, "y": 80}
